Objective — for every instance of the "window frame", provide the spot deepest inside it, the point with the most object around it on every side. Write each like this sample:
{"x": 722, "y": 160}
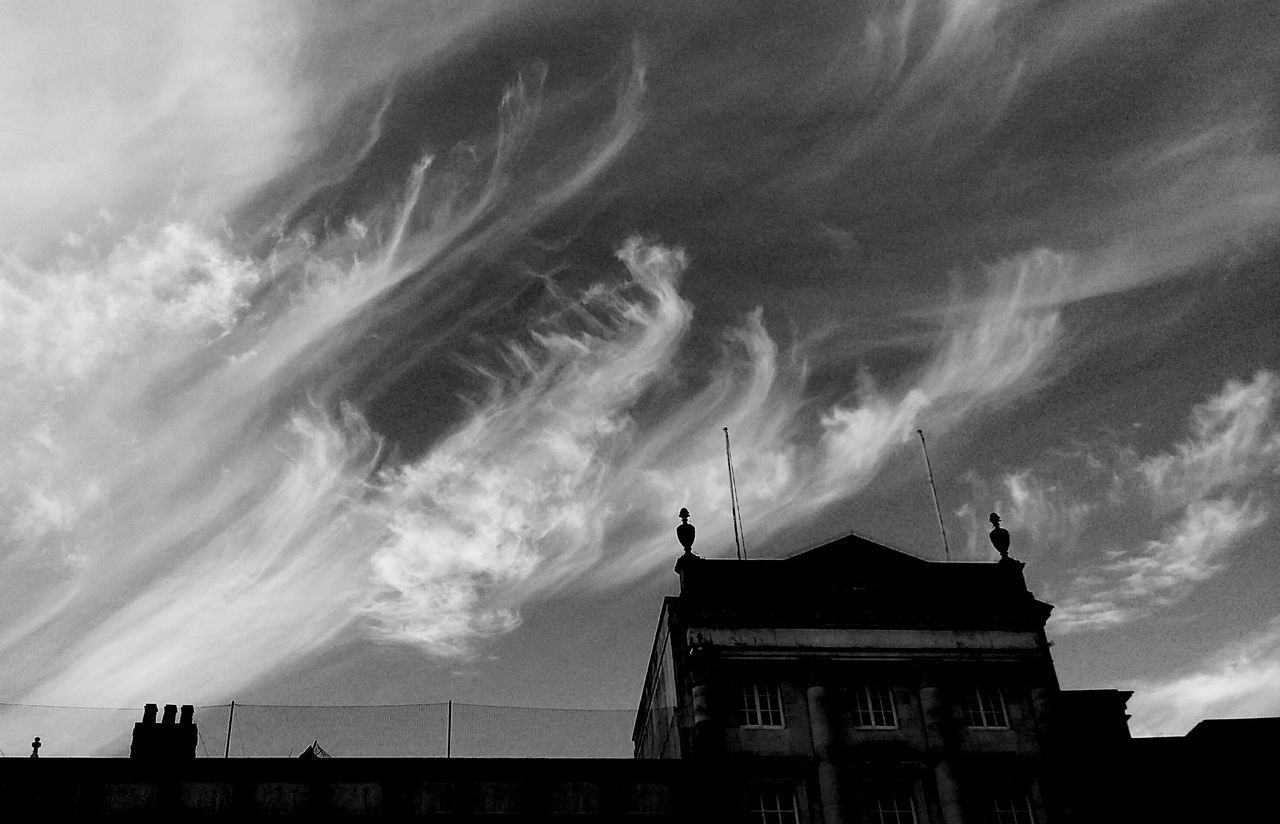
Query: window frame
{"x": 864, "y": 692}
{"x": 753, "y": 697}
{"x": 758, "y": 811}
{"x": 973, "y": 705}
{"x": 1020, "y": 809}
{"x": 899, "y": 792}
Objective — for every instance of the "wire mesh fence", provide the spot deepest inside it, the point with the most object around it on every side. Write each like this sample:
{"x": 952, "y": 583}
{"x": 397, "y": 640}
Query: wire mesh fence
{"x": 439, "y": 730}
{"x": 481, "y": 731}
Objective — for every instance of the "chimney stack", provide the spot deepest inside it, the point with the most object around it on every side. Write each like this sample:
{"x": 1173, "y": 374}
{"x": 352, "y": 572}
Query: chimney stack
{"x": 168, "y": 740}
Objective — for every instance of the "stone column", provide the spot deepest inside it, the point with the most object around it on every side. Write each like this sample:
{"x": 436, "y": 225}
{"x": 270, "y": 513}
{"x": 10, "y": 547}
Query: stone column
{"x": 1042, "y": 707}
{"x": 1049, "y": 765}
{"x": 937, "y": 728}
{"x": 824, "y": 745}
{"x": 704, "y": 727}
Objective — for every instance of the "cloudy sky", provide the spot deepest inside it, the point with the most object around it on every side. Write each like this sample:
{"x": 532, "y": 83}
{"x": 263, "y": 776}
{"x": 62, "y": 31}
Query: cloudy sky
{"x": 365, "y": 352}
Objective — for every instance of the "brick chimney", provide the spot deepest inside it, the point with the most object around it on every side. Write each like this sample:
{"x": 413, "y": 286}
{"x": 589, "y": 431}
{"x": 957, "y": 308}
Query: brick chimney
{"x": 170, "y": 740}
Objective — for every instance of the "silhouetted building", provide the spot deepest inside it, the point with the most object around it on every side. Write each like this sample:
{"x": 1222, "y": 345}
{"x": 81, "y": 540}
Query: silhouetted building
{"x": 854, "y": 682}
{"x": 1219, "y": 771}
{"x": 511, "y": 790}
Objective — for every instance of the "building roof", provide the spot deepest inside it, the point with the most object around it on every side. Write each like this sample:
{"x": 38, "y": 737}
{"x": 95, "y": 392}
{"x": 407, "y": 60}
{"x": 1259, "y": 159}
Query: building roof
{"x": 1234, "y": 732}
{"x": 856, "y": 580}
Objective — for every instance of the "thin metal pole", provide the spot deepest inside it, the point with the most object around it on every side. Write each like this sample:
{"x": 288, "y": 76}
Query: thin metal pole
{"x": 448, "y": 735}
{"x": 936, "y": 507}
{"x": 227, "y": 752}
{"x": 739, "y": 529}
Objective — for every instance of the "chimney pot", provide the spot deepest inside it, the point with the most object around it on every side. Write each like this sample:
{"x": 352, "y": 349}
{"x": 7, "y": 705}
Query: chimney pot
{"x": 149, "y": 714}
{"x": 188, "y": 713}
{"x": 170, "y": 714}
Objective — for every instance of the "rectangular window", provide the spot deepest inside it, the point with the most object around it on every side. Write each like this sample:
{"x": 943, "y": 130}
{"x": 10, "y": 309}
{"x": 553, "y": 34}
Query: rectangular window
{"x": 772, "y": 803}
{"x": 760, "y": 705}
{"x": 984, "y": 707}
{"x": 1009, "y": 807}
{"x": 891, "y": 805}
{"x": 873, "y": 708}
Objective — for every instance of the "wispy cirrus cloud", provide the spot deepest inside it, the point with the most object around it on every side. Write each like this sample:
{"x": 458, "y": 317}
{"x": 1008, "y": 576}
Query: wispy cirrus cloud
{"x": 517, "y": 499}
{"x": 1136, "y": 583}
{"x": 991, "y": 347}
{"x": 1234, "y": 438}
{"x": 997, "y": 343}
{"x": 240, "y": 540}
{"x": 190, "y": 437}
{"x": 190, "y": 499}
{"x": 145, "y": 109}
{"x": 1240, "y": 681}
{"x": 553, "y": 474}
{"x": 1045, "y": 512}
{"x": 1203, "y": 485}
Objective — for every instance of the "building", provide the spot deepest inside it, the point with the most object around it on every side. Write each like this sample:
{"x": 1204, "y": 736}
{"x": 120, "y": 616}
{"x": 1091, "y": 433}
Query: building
{"x": 511, "y": 790}
{"x": 848, "y": 683}
{"x": 854, "y": 682}
{"x": 1219, "y": 771}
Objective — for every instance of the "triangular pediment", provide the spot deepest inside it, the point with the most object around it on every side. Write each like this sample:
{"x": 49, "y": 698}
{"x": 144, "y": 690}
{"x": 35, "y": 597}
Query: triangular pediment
{"x": 856, "y": 551}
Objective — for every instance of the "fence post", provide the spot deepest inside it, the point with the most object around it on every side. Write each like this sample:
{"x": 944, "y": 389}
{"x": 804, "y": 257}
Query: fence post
{"x": 227, "y": 752}
{"x": 448, "y": 734}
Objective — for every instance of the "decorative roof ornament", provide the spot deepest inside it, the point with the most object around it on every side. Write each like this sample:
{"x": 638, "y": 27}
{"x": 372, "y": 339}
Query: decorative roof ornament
{"x": 685, "y": 531}
{"x": 999, "y": 537}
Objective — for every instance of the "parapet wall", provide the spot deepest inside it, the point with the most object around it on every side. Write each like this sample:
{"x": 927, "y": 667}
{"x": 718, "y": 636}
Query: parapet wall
{"x": 443, "y": 789}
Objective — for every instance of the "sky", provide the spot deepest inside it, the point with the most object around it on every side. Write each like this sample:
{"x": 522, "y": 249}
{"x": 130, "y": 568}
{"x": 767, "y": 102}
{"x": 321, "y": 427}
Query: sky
{"x": 364, "y": 353}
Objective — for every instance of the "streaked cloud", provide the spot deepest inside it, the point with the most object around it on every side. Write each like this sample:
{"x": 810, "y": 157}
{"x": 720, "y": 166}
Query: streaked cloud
{"x": 1240, "y": 681}
{"x": 1137, "y": 583}
{"x": 148, "y": 110}
{"x": 552, "y": 477}
{"x": 1234, "y": 439}
{"x": 190, "y": 500}
{"x": 241, "y": 242}
{"x": 516, "y": 500}
{"x": 1203, "y": 485}
{"x": 992, "y": 348}
{"x": 1045, "y": 512}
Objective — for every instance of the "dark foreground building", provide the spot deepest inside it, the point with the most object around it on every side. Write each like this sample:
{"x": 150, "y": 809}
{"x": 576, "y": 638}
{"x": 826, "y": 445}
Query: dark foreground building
{"x": 854, "y": 682}
{"x": 433, "y": 789}
{"x": 849, "y": 683}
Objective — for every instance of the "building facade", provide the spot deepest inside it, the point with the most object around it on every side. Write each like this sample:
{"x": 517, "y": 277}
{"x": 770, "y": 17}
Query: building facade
{"x": 857, "y": 683}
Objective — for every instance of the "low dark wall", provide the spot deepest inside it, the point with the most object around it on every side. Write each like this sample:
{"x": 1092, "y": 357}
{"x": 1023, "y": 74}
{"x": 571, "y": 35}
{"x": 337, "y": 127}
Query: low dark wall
{"x": 512, "y": 790}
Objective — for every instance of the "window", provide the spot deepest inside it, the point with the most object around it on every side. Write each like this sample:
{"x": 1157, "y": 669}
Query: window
{"x": 1009, "y": 807}
{"x": 760, "y": 705}
{"x": 984, "y": 707}
{"x": 873, "y": 707}
{"x": 891, "y": 805}
{"x": 772, "y": 803}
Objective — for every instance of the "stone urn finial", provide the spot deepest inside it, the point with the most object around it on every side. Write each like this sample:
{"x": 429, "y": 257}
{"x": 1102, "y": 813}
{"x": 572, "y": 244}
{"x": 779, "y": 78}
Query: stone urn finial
{"x": 686, "y": 531}
{"x": 999, "y": 537}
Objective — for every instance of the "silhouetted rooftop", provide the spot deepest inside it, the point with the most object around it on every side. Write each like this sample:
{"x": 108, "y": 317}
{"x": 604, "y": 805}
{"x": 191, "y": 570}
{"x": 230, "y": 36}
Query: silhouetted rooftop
{"x": 855, "y": 580}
